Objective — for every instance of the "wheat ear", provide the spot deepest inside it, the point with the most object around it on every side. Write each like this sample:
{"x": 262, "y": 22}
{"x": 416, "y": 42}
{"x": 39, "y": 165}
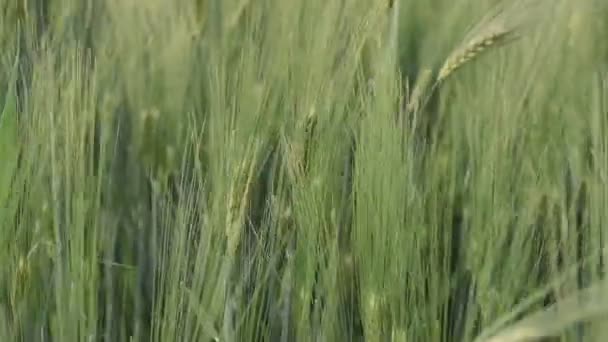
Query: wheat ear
{"x": 504, "y": 23}
{"x": 493, "y": 37}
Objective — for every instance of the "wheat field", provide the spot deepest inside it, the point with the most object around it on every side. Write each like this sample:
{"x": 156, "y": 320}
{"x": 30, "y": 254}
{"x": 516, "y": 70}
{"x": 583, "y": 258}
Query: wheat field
{"x": 303, "y": 170}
